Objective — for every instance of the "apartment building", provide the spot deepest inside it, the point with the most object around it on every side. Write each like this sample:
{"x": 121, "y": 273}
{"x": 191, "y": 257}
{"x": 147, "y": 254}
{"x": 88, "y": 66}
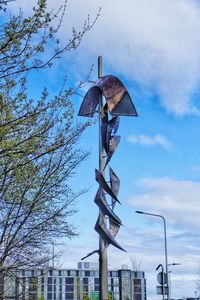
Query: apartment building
{"x": 75, "y": 284}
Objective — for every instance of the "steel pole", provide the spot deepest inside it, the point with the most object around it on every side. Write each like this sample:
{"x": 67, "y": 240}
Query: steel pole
{"x": 165, "y": 239}
{"x": 103, "y": 272}
{"x": 166, "y": 259}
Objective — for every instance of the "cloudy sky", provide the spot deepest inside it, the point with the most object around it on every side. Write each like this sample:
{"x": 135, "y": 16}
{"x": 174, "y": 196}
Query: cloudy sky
{"x": 153, "y": 47}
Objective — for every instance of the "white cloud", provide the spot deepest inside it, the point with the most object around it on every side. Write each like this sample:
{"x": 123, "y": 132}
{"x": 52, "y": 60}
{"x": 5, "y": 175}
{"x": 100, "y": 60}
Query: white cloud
{"x": 177, "y": 200}
{"x": 146, "y": 140}
{"x": 154, "y": 43}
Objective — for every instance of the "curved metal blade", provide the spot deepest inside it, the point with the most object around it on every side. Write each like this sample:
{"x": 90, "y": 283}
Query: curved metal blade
{"x": 102, "y": 182}
{"x": 114, "y": 184}
{"x": 112, "y": 89}
{"x": 103, "y": 205}
{"x": 113, "y": 228}
{"x": 102, "y": 230}
{"x": 112, "y": 147}
{"x": 89, "y": 254}
{"x": 112, "y": 128}
{"x": 90, "y": 102}
{"x": 115, "y": 92}
{"x": 113, "y": 125}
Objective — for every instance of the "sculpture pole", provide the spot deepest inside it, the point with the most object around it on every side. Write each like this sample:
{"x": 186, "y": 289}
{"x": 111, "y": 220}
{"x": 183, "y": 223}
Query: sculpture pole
{"x": 110, "y": 99}
{"x": 103, "y": 269}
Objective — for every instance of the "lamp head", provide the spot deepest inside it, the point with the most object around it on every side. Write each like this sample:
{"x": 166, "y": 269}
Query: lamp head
{"x": 138, "y": 212}
{"x": 159, "y": 267}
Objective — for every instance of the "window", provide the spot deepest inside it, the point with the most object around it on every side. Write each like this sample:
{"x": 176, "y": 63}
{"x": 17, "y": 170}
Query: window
{"x": 96, "y": 280}
{"x": 87, "y": 273}
{"x": 69, "y": 296}
{"x": 85, "y": 288}
{"x": 114, "y": 274}
{"x": 85, "y": 280}
{"x": 49, "y": 296}
{"x": 69, "y": 280}
{"x": 49, "y": 280}
{"x": 137, "y": 282}
{"x": 59, "y": 273}
{"x": 69, "y": 288}
{"x": 49, "y": 288}
{"x": 138, "y": 297}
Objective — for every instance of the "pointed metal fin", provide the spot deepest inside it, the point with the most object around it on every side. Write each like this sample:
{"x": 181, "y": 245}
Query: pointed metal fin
{"x": 102, "y": 203}
{"x": 111, "y": 129}
{"x": 114, "y": 184}
{"x": 125, "y": 107}
{"x": 102, "y": 230}
{"x": 102, "y": 182}
{"x": 89, "y": 254}
{"x": 112, "y": 147}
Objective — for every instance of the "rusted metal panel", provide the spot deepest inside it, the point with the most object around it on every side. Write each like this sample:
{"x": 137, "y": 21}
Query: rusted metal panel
{"x": 118, "y": 99}
{"x": 112, "y": 89}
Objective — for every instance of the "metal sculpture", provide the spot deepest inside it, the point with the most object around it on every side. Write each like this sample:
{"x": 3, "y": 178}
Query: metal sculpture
{"x": 110, "y": 99}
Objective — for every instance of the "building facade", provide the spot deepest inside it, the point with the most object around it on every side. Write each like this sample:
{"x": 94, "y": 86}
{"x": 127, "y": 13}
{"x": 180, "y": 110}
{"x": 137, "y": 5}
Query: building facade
{"x": 76, "y": 284}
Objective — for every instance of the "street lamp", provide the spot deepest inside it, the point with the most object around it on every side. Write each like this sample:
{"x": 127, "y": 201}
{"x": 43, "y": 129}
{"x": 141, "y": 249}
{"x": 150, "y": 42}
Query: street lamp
{"x": 165, "y": 239}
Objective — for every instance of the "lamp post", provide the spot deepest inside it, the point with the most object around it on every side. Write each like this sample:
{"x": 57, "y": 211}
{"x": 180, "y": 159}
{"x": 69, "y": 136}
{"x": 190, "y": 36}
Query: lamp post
{"x": 165, "y": 242}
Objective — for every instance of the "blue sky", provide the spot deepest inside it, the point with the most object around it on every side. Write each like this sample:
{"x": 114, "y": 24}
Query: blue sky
{"x": 153, "y": 47}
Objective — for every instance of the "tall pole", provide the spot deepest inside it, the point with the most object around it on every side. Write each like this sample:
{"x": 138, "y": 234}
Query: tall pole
{"x": 107, "y": 93}
{"x": 166, "y": 257}
{"x": 165, "y": 242}
{"x": 103, "y": 272}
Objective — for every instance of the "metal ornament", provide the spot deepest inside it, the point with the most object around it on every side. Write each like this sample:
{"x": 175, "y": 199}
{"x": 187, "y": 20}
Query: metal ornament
{"x": 110, "y": 99}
